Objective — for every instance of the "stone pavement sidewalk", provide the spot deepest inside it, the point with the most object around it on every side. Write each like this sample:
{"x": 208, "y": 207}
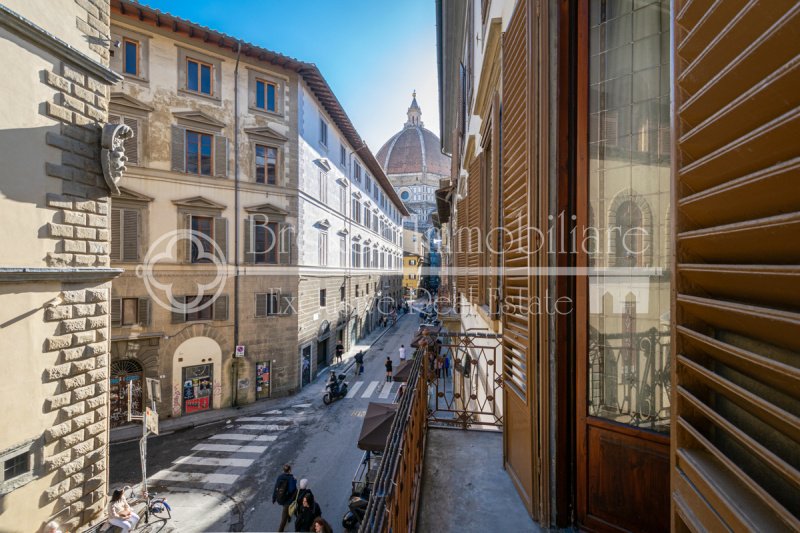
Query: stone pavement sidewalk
{"x": 194, "y": 511}
{"x": 169, "y": 425}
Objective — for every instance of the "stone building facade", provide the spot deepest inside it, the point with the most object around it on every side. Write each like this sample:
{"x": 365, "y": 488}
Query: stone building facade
{"x": 55, "y": 270}
{"x": 230, "y": 150}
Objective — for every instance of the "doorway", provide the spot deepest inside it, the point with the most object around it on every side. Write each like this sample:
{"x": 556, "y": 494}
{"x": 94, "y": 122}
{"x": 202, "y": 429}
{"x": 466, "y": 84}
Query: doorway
{"x": 197, "y": 388}
{"x": 305, "y": 366}
{"x": 125, "y": 373}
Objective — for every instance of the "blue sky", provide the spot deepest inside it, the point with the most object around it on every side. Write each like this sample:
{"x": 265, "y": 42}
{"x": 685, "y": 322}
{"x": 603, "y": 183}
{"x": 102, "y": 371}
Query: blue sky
{"x": 373, "y": 53}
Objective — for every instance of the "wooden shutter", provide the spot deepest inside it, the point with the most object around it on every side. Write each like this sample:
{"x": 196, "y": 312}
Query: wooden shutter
{"x": 116, "y": 311}
{"x": 221, "y": 238}
{"x": 736, "y": 372}
{"x": 221, "y": 307}
{"x": 248, "y": 241}
{"x": 186, "y": 242}
{"x": 144, "y": 311}
{"x": 130, "y": 234}
{"x": 285, "y": 237}
{"x": 178, "y": 149}
{"x": 261, "y": 305}
{"x": 179, "y": 317}
{"x": 220, "y": 156}
{"x": 475, "y": 236}
{"x": 286, "y": 304}
{"x": 116, "y": 234}
{"x": 462, "y": 245}
{"x": 132, "y": 144}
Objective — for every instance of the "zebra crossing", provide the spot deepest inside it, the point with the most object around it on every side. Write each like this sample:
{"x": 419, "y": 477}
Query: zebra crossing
{"x": 383, "y": 389}
{"x": 221, "y": 459}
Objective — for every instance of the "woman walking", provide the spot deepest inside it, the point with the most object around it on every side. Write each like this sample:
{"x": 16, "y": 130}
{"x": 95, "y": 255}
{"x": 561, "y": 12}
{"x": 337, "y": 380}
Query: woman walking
{"x": 120, "y": 513}
{"x": 321, "y": 526}
{"x": 388, "y": 366}
{"x": 307, "y": 511}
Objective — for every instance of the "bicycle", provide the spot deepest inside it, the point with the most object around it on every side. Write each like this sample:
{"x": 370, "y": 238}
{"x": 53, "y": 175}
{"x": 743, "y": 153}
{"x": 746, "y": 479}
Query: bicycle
{"x": 155, "y": 506}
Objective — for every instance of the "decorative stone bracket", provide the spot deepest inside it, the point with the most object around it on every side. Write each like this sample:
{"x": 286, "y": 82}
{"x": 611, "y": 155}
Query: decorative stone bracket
{"x": 112, "y": 154}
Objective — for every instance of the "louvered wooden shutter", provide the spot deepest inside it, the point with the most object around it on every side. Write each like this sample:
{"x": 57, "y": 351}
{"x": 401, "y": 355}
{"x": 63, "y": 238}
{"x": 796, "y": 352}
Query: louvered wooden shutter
{"x": 116, "y": 234}
{"x": 186, "y": 243}
{"x": 261, "y": 305}
{"x": 220, "y": 156}
{"x": 144, "y": 311}
{"x": 463, "y": 245}
{"x": 178, "y": 316}
{"x": 221, "y": 307}
{"x": 221, "y": 238}
{"x": 286, "y": 304}
{"x": 736, "y": 374}
{"x": 248, "y": 241}
{"x": 284, "y": 242}
{"x": 130, "y": 234}
{"x": 516, "y": 200}
{"x": 116, "y": 311}
{"x": 178, "y": 149}
{"x": 475, "y": 236}
{"x": 131, "y": 144}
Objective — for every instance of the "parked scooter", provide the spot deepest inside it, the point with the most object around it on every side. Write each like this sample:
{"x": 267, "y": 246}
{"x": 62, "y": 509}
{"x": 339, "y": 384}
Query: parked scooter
{"x": 335, "y": 389}
{"x": 358, "y": 508}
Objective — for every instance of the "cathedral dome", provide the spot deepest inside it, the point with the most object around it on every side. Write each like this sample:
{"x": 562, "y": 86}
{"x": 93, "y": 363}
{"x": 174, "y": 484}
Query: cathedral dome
{"x": 414, "y": 149}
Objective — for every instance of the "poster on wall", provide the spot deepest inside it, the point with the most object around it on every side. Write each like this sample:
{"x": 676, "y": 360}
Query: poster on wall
{"x": 262, "y": 380}
{"x": 197, "y": 388}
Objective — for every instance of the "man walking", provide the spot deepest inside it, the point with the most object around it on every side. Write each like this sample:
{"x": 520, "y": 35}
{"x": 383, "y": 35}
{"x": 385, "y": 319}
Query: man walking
{"x": 339, "y": 351}
{"x": 359, "y": 363}
{"x": 388, "y": 366}
{"x": 402, "y": 353}
{"x": 284, "y": 493}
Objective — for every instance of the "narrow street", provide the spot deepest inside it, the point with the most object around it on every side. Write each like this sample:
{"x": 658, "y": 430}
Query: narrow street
{"x": 237, "y": 459}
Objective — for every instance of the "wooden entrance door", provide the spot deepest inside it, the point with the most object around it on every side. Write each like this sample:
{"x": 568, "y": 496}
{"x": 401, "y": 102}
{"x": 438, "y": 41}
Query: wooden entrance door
{"x": 623, "y": 391}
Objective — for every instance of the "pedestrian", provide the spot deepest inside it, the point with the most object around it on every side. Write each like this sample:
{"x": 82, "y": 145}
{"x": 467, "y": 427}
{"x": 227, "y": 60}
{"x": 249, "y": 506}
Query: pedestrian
{"x": 321, "y": 526}
{"x": 284, "y": 493}
{"x": 388, "y": 366}
{"x": 307, "y": 511}
{"x": 439, "y": 366}
{"x": 402, "y": 352}
{"x": 339, "y": 351}
{"x": 447, "y": 366}
{"x": 359, "y": 363}
{"x": 120, "y": 513}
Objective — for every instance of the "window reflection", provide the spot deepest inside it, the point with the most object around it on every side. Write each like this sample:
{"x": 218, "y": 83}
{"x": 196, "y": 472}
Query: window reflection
{"x": 629, "y": 195}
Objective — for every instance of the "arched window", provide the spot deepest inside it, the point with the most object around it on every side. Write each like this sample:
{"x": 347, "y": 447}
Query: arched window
{"x": 629, "y": 233}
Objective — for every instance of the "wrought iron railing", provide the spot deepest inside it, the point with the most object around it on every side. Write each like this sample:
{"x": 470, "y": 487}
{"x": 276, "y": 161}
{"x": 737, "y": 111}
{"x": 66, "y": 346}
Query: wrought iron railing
{"x": 395, "y": 496}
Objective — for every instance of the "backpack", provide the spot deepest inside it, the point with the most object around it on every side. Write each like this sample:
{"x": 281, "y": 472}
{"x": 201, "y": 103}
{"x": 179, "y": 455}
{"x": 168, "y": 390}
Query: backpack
{"x": 282, "y": 491}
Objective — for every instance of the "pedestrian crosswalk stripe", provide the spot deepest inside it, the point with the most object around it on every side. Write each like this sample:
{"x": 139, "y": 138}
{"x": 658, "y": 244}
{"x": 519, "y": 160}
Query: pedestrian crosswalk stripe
{"x": 273, "y": 412}
{"x": 233, "y": 448}
{"x": 263, "y": 427}
{"x": 370, "y": 389}
{"x": 356, "y": 386}
{"x": 195, "y": 477}
{"x": 213, "y": 461}
{"x": 242, "y": 436}
{"x": 302, "y": 405}
{"x": 265, "y": 419}
{"x": 387, "y": 389}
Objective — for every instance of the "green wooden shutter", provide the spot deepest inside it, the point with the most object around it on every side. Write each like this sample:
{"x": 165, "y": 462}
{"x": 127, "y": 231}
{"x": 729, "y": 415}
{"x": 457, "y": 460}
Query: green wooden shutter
{"x": 220, "y": 156}
{"x": 144, "y": 311}
{"x": 221, "y": 238}
{"x": 178, "y": 149}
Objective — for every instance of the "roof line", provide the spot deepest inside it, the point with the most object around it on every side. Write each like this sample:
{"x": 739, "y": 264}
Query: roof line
{"x": 308, "y": 71}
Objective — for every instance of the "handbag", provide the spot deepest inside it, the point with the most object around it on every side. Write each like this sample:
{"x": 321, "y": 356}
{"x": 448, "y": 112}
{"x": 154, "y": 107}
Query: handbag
{"x": 293, "y": 505}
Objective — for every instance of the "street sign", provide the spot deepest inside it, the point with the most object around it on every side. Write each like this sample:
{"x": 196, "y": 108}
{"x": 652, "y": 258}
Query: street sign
{"x": 239, "y": 351}
{"x": 151, "y": 418}
{"x": 153, "y": 389}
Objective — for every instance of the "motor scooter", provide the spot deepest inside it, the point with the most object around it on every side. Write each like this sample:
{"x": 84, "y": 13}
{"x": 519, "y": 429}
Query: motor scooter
{"x": 335, "y": 389}
{"x": 358, "y": 508}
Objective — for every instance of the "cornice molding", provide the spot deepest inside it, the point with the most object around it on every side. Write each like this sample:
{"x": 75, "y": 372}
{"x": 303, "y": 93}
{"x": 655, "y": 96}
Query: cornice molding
{"x": 22, "y": 27}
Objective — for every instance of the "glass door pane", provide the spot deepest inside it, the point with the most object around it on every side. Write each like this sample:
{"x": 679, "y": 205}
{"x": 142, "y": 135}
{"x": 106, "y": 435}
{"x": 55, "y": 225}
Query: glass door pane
{"x": 629, "y": 198}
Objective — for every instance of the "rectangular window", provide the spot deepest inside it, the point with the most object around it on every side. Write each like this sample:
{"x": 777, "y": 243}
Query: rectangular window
{"x": 343, "y": 156}
{"x": 342, "y": 251}
{"x": 125, "y": 234}
{"x": 265, "y": 243}
{"x": 366, "y": 215}
{"x": 266, "y": 164}
{"x": 322, "y": 246}
{"x": 323, "y": 132}
{"x": 323, "y": 187}
{"x": 200, "y": 308}
{"x": 199, "y": 153}
{"x": 266, "y": 95}
{"x": 198, "y": 77}
{"x": 202, "y": 247}
{"x": 323, "y": 297}
{"x": 16, "y": 466}
{"x": 130, "y": 311}
{"x": 356, "y": 208}
{"x": 357, "y": 173}
{"x": 356, "y": 259}
{"x": 267, "y": 304}
{"x": 367, "y": 184}
{"x": 343, "y": 201}
{"x": 341, "y": 293}
{"x": 131, "y": 57}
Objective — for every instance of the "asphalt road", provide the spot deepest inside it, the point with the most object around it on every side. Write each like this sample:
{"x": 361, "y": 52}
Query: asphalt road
{"x": 241, "y": 457}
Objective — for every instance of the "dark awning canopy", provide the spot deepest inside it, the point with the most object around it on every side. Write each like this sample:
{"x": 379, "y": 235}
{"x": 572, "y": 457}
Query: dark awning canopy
{"x": 376, "y": 426}
{"x": 403, "y": 371}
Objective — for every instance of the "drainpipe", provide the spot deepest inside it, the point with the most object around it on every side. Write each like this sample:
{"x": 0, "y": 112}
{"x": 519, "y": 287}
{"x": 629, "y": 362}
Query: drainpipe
{"x": 236, "y": 223}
